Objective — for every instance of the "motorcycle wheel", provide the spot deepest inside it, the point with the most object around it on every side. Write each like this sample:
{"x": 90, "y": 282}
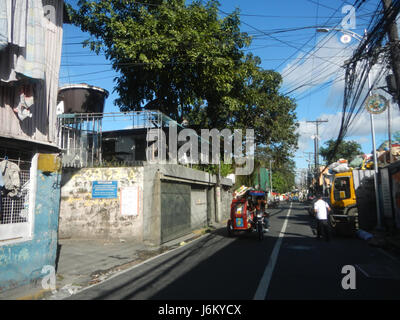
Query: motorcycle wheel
{"x": 260, "y": 231}
{"x": 229, "y": 228}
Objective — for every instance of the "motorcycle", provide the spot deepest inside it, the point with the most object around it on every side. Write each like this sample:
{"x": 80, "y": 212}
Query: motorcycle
{"x": 248, "y": 214}
{"x": 273, "y": 204}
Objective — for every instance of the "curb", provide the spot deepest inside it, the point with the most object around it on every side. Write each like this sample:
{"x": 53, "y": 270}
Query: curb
{"x": 179, "y": 246}
{"x": 46, "y": 294}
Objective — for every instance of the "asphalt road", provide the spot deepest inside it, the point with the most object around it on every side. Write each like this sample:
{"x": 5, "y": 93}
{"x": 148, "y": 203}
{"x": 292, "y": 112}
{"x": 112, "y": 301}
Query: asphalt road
{"x": 290, "y": 263}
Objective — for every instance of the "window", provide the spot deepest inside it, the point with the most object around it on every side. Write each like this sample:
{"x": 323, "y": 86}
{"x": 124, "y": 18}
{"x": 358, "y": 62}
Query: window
{"x": 342, "y": 188}
{"x": 17, "y": 204}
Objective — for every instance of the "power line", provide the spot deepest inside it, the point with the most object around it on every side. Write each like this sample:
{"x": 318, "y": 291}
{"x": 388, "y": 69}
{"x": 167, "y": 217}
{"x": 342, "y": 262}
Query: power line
{"x": 309, "y": 52}
{"x": 272, "y": 37}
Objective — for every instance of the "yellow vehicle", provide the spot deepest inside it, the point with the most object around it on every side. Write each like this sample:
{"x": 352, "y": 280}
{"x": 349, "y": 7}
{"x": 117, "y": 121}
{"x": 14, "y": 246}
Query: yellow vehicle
{"x": 350, "y": 193}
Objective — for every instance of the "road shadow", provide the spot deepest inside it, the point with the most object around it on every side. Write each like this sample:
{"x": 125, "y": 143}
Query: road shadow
{"x": 302, "y": 216}
{"x": 58, "y": 255}
{"x": 216, "y": 267}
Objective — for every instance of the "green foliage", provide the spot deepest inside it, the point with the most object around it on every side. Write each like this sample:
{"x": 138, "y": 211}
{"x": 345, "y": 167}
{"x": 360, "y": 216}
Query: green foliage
{"x": 282, "y": 167}
{"x": 346, "y": 150}
{"x": 170, "y": 55}
{"x": 283, "y": 181}
{"x": 188, "y": 62}
{"x": 214, "y": 168}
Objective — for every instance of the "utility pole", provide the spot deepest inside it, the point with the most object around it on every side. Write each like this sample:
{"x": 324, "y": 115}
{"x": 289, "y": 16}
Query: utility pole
{"x": 270, "y": 174}
{"x": 309, "y": 159}
{"x": 309, "y": 166}
{"x": 393, "y": 36}
{"x": 316, "y": 147}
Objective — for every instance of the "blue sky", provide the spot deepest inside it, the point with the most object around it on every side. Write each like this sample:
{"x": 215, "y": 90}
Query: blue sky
{"x": 285, "y": 38}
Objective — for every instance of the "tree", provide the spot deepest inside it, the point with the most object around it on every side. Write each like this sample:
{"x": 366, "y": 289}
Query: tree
{"x": 187, "y": 62}
{"x": 346, "y": 150}
{"x": 282, "y": 182}
{"x": 170, "y": 55}
{"x": 283, "y": 168}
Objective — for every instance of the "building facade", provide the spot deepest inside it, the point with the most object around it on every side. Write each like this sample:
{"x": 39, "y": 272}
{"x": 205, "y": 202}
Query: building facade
{"x": 30, "y": 56}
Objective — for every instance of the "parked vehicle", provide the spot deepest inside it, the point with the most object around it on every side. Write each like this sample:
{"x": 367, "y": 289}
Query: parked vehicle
{"x": 352, "y": 192}
{"x": 273, "y": 203}
{"x": 248, "y": 214}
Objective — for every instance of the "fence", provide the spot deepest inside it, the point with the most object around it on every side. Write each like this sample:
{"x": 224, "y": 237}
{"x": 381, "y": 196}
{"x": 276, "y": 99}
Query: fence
{"x": 80, "y": 134}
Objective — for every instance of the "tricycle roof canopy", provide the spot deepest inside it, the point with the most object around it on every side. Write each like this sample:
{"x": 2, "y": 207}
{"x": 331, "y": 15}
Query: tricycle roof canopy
{"x": 256, "y": 193}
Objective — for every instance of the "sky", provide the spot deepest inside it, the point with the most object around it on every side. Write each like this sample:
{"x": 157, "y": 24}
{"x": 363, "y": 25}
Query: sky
{"x": 285, "y": 37}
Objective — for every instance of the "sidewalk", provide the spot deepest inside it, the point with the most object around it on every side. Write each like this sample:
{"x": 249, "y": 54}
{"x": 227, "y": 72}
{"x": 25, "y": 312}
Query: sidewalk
{"x": 82, "y": 263}
{"x": 390, "y": 243}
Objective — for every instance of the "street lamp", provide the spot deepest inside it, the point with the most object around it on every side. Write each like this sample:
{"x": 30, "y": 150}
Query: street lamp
{"x": 360, "y": 39}
{"x": 345, "y": 31}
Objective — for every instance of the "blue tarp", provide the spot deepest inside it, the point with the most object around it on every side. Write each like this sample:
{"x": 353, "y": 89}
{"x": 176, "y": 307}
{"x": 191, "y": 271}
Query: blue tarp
{"x": 257, "y": 193}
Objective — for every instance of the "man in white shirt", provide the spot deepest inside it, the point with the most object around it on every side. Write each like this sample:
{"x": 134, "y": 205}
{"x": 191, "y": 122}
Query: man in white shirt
{"x": 321, "y": 208}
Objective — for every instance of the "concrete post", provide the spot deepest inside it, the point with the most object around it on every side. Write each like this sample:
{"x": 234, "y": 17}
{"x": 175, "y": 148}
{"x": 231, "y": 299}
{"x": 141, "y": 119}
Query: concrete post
{"x": 218, "y": 203}
{"x": 210, "y": 206}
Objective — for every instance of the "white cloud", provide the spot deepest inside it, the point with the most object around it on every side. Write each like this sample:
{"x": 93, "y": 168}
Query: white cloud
{"x": 309, "y": 72}
{"x": 326, "y": 63}
{"x": 322, "y": 64}
{"x": 360, "y": 129}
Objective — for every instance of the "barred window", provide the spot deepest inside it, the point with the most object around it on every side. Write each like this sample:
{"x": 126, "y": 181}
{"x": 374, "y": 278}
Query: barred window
{"x": 16, "y": 205}
{"x": 16, "y": 209}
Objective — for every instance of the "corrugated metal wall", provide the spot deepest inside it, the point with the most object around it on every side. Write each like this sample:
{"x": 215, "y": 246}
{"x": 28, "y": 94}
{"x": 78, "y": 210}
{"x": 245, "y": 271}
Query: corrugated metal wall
{"x": 42, "y": 126}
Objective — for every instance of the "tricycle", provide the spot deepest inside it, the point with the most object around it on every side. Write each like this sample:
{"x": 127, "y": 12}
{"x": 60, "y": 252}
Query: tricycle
{"x": 248, "y": 214}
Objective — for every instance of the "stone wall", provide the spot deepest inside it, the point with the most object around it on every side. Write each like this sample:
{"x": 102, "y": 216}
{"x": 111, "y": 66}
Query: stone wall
{"x": 82, "y": 216}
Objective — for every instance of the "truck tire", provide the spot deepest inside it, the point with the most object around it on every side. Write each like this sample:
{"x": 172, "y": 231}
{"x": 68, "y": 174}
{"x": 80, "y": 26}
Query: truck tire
{"x": 332, "y": 222}
{"x": 332, "y": 225}
{"x": 353, "y": 217}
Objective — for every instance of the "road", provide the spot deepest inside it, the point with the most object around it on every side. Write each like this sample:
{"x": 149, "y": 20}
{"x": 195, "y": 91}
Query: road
{"x": 290, "y": 263}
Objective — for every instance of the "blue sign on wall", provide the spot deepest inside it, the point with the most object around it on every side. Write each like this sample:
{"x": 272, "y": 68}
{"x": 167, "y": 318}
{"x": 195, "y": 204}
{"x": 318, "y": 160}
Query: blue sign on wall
{"x": 105, "y": 189}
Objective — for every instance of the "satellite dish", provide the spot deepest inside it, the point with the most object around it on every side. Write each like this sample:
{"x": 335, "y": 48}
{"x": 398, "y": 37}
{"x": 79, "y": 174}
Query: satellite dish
{"x": 345, "y": 38}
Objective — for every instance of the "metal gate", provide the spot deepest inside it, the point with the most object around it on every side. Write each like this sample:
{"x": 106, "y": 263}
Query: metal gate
{"x": 175, "y": 210}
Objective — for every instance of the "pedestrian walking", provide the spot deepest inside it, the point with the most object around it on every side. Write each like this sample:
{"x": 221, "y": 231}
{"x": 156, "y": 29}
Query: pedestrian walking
{"x": 321, "y": 208}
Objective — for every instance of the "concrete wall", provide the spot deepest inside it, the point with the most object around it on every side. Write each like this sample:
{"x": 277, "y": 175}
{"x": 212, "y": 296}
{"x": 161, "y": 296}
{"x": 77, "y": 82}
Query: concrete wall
{"x": 226, "y": 200}
{"x": 153, "y": 175}
{"x": 82, "y": 216}
{"x": 203, "y": 195}
{"x": 22, "y": 262}
{"x": 198, "y": 212}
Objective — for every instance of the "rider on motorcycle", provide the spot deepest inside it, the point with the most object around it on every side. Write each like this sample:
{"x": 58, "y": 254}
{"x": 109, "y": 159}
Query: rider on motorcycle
{"x": 260, "y": 206}
{"x": 256, "y": 205}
